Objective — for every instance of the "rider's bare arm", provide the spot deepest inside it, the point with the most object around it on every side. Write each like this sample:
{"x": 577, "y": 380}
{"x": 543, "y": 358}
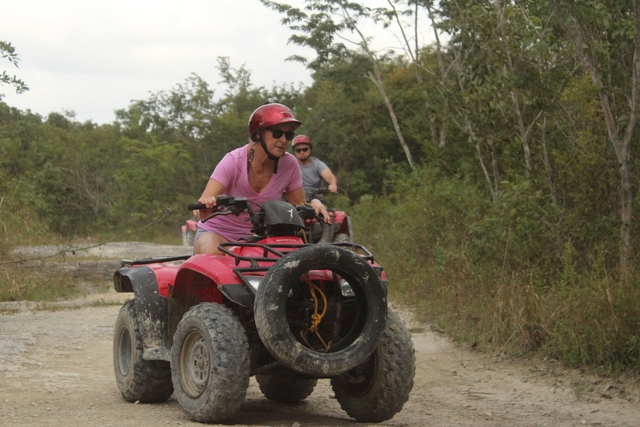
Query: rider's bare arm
{"x": 211, "y": 191}
{"x": 296, "y": 197}
{"x": 208, "y": 197}
{"x": 321, "y": 209}
{"x": 331, "y": 179}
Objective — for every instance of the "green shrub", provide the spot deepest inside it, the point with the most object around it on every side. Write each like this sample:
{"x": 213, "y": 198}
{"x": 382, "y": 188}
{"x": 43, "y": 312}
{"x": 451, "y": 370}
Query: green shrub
{"x": 516, "y": 274}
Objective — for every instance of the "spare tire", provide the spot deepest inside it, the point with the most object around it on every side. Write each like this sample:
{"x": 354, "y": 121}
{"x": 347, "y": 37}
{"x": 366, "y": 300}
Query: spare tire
{"x": 360, "y": 334}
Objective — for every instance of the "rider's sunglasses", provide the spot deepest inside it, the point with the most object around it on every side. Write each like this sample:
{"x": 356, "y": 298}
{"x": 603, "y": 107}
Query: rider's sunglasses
{"x": 277, "y": 134}
{"x": 302, "y": 150}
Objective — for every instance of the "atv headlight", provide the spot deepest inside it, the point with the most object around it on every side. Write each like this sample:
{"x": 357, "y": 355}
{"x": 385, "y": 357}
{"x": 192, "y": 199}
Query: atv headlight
{"x": 345, "y": 289}
{"x": 254, "y": 282}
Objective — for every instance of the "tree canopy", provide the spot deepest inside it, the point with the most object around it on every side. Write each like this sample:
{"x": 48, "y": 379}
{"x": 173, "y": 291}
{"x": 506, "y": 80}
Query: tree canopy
{"x": 8, "y": 52}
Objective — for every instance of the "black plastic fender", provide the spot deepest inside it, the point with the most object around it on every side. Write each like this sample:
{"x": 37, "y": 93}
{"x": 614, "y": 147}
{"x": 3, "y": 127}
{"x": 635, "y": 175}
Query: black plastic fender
{"x": 152, "y": 310}
{"x": 238, "y": 294}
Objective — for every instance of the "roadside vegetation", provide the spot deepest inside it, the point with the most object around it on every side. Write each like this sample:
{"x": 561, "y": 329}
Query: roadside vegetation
{"x": 30, "y": 277}
{"x": 493, "y": 276}
{"x": 491, "y": 171}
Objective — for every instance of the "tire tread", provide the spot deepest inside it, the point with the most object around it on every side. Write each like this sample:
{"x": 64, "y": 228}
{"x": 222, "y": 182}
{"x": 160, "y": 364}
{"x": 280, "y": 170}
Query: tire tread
{"x": 151, "y": 380}
{"x": 286, "y": 387}
{"x": 395, "y": 377}
{"x": 230, "y": 365}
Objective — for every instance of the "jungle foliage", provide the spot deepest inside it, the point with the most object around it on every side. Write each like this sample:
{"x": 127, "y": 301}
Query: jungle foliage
{"x": 491, "y": 171}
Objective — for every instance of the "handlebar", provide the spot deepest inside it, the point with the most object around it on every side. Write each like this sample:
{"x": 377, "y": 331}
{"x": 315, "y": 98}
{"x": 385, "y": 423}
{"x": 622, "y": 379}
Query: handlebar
{"x": 320, "y": 191}
{"x": 317, "y": 193}
{"x": 235, "y": 204}
{"x": 226, "y": 205}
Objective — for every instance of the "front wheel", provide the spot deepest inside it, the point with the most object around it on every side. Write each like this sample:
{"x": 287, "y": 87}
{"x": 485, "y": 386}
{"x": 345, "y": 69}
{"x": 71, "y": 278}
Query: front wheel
{"x": 139, "y": 380}
{"x": 210, "y": 363}
{"x": 377, "y": 389}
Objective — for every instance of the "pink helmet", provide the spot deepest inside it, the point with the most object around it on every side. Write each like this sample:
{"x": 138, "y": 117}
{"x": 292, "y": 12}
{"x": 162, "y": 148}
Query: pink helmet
{"x": 269, "y": 115}
{"x": 301, "y": 139}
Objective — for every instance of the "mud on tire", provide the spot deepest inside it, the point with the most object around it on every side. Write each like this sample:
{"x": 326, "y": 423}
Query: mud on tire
{"x": 210, "y": 363}
{"x": 377, "y": 389}
{"x": 286, "y": 387}
{"x": 140, "y": 380}
{"x": 368, "y": 323}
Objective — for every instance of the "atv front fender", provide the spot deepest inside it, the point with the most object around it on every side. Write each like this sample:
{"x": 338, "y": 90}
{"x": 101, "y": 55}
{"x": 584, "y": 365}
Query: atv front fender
{"x": 151, "y": 307}
{"x": 206, "y": 278}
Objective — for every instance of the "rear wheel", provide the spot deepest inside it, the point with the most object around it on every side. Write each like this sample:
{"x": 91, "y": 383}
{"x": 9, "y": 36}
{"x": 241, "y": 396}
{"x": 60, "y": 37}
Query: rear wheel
{"x": 139, "y": 380}
{"x": 286, "y": 387}
{"x": 377, "y": 389}
{"x": 341, "y": 238}
{"x": 356, "y": 333}
{"x": 210, "y": 363}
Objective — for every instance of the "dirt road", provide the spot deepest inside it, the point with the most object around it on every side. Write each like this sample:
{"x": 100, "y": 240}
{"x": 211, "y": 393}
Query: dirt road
{"x": 56, "y": 370}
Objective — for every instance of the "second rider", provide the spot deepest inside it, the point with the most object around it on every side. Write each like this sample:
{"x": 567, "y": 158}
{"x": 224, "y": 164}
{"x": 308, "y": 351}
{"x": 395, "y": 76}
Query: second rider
{"x": 314, "y": 170}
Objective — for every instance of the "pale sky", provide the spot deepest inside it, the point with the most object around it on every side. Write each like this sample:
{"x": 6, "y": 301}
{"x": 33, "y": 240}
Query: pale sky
{"x": 95, "y": 56}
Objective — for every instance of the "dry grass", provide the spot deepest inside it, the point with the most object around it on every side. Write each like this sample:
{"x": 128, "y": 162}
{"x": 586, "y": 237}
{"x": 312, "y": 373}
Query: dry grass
{"x": 44, "y": 281}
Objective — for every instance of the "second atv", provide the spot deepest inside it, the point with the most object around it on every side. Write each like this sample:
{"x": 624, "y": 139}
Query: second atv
{"x": 340, "y": 230}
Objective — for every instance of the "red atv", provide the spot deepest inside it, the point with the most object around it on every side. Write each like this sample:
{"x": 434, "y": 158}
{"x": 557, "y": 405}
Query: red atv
{"x": 271, "y": 306}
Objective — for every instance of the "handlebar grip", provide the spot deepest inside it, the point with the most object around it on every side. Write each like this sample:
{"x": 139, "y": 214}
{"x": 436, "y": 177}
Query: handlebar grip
{"x": 196, "y": 206}
{"x": 306, "y": 211}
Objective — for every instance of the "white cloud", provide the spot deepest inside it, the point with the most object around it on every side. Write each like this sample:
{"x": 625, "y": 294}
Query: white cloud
{"x": 96, "y": 56}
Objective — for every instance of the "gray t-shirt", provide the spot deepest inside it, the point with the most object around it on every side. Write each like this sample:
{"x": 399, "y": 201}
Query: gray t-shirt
{"x": 311, "y": 178}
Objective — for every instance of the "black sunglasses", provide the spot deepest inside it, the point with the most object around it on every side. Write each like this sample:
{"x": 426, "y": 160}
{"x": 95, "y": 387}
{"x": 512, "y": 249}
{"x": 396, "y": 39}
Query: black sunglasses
{"x": 302, "y": 150}
{"x": 277, "y": 134}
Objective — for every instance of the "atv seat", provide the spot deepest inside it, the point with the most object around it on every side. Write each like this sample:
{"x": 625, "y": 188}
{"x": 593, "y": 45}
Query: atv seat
{"x": 251, "y": 239}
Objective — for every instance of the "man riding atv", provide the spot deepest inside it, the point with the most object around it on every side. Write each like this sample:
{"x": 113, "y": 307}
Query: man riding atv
{"x": 314, "y": 171}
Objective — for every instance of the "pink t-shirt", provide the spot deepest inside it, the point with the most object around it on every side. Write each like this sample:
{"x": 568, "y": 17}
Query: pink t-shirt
{"x": 231, "y": 172}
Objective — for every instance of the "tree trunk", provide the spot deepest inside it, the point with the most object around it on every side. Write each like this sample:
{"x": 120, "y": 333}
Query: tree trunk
{"x": 443, "y": 73}
{"x": 496, "y": 171}
{"x": 442, "y": 138}
{"x": 492, "y": 189}
{"x": 524, "y": 131}
{"x": 547, "y": 163}
{"x": 376, "y": 78}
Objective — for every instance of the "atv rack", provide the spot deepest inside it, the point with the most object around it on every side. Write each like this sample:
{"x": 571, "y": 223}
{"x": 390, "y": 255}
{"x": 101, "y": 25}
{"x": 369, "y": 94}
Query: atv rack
{"x": 274, "y": 250}
{"x": 144, "y": 261}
